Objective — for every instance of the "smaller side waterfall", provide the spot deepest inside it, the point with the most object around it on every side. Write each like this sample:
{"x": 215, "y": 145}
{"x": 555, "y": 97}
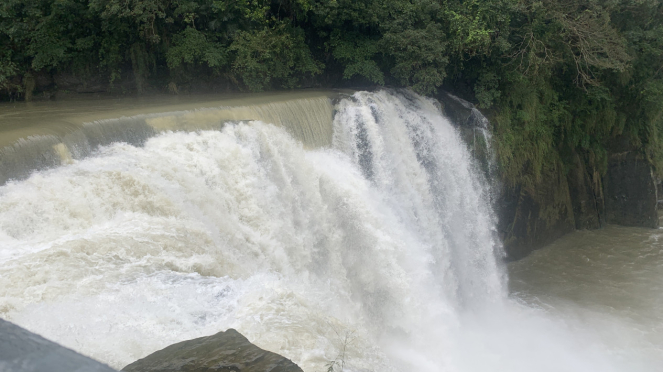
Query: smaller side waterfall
{"x": 412, "y": 153}
{"x": 474, "y": 128}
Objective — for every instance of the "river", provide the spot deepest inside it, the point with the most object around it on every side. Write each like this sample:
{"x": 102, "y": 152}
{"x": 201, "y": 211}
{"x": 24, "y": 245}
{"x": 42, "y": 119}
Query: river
{"x": 358, "y": 222}
{"x": 608, "y": 281}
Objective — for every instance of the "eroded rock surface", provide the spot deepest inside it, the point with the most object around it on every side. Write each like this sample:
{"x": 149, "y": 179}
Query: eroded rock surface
{"x": 225, "y": 351}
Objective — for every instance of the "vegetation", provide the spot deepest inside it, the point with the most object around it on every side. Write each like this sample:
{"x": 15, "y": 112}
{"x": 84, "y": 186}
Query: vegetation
{"x": 558, "y": 76}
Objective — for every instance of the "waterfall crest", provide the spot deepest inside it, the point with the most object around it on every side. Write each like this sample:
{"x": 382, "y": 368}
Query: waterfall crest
{"x": 42, "y": 146}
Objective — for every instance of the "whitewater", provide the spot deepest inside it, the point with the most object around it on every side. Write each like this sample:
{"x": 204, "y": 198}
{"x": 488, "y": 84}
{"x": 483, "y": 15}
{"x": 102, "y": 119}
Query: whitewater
{"x": 381, "y": 243}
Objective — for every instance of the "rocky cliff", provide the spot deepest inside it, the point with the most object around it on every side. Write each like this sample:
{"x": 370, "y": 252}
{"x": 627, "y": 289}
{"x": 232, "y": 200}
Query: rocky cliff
{"x": 631, "y": 192}
{"x": 574, "y": 194}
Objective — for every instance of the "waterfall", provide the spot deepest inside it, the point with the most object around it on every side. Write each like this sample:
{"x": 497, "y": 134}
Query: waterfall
{"x": 371, "y": 233}
{"x": 417, "y": 159}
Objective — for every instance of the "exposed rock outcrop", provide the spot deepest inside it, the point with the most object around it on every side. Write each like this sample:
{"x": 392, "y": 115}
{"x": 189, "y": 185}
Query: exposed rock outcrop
{"x": 586, "y": 193}
{"x": 472, "y": 125}
{"x": 530, "y": 218}
{"x": 24, "y": 351}
{"x": 225, "y": 351}
{"x": 659, "y": 189}
{"x": 630, "y": 190}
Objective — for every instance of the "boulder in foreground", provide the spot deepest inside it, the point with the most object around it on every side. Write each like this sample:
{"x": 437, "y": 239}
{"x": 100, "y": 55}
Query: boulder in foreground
{"x": 24, "y": 351}
{"x": 223, "y": 352}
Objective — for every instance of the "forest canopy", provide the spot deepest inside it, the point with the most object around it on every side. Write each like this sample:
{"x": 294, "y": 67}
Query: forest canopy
{"x": 555, "y": 75}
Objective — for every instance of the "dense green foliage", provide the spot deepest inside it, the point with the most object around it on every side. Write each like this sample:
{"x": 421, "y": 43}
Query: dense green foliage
{"x": 584, "y": 77}
{"x": 559, "y": 77}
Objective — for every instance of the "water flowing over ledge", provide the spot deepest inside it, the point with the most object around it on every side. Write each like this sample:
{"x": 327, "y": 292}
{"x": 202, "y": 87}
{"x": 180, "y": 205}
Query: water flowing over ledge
{"x": 382, "y": 244}
{"x": 41, "y": 136}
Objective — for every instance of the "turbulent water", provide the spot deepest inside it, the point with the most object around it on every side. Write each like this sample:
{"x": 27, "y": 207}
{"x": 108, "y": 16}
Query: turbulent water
{"x": 380, "y": 243}
{"x": 609, "y": 281}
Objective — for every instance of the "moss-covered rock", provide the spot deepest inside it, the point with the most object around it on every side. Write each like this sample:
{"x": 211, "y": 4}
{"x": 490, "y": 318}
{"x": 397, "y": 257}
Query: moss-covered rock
{"x": 225, "y": 351}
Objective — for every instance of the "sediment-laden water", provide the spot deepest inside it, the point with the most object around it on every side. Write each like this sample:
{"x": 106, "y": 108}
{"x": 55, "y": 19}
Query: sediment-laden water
{"x": 371, "y": 233}
{"x": 608, "y": 281}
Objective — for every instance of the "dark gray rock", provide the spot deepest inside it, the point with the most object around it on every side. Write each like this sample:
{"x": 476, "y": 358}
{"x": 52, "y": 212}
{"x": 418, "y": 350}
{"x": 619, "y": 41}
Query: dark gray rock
{"x": 225, "y": 351}
{"x": 530, "y": 218}
{"x": 659, "y": 189}
{"x": 24, "y": 351}
{"x": 630, "y": 191}
{"x": 586, "y": 191}
{"x": 461, "y": 112}
{"x": 472, "y": 126}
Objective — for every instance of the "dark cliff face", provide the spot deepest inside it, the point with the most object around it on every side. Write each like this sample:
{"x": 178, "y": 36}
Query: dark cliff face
{"x": 582, "y": 199}
{"x": 529, "y": 218}
{"x": 586, "y": 194}
{"x": 471, "y": 124}
{"x": 631, "y": 192}
{"x": 568, "y": 197}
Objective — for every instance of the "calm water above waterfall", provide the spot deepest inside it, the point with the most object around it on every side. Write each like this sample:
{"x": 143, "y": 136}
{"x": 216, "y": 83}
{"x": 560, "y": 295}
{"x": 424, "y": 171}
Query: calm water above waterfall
{"x": 371, "y": 232}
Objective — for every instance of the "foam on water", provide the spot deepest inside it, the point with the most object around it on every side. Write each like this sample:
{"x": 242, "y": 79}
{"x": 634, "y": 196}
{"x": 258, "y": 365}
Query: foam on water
{"x": 383, "y": 245}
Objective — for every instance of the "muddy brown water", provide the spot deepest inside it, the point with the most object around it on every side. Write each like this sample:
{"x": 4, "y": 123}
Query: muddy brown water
{"x": 609, "y": 281}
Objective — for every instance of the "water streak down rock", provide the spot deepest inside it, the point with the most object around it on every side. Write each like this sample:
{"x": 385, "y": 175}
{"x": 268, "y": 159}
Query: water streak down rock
{"x": 224, "y": 351}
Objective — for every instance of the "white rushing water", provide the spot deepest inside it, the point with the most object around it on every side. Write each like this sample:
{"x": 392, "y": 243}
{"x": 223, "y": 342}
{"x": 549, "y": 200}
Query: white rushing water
{"x": 382, "y": 245}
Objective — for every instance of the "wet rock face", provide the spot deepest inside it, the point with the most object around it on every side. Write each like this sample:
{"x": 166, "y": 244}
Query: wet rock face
{"x": 528, "y": 219}
{"x": 586, "y": 192}
{"x": 471, "y": 125}
{"x": 462, "y": 113}
{"x": 659, "y": 189}
{"x": 630, "y": 191}
{"x": 626, "y": 195}
{"x": 223, "y": 352}
{"x": 24, "y": 351}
